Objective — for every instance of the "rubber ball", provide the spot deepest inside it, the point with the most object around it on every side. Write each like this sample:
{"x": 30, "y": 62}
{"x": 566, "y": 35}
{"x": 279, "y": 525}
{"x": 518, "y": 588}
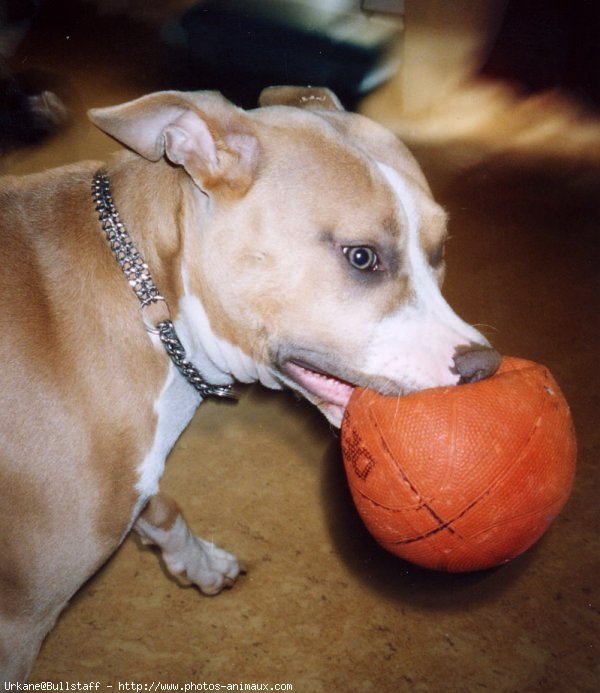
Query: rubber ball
{"x": 462, "y": 478}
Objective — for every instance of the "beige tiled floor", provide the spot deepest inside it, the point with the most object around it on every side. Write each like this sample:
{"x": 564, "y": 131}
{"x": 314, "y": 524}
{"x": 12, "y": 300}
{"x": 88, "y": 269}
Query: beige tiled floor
{"x": 321, "y": 606}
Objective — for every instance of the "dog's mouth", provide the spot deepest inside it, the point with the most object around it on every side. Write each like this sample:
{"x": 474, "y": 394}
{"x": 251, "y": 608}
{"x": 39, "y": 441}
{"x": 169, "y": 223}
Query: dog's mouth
{"x": 328, "y": 392}
{"x": 325, "y": 383}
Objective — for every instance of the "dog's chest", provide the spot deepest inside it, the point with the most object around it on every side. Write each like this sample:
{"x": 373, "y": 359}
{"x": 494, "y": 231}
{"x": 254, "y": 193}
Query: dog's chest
{"x": 174, "y": 408}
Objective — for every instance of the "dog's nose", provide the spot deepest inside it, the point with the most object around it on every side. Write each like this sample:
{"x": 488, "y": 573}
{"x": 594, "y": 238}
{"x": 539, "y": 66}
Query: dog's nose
{"x": 474, "y": 362}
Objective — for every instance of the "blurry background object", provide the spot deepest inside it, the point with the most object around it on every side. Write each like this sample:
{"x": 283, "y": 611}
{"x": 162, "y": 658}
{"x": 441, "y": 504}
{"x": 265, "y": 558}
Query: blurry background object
{"x": 15, "y": 20}
{"x": 258, "y": 43}
{"x": 497, "y": 75}
{"x": 544, "y": 44}
{"x": 29, "y": 110}
{"x": 395, "y": 7}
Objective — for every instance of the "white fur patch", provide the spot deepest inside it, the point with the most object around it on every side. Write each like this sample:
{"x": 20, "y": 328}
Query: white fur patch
{"x": 174, "y": 408}
{"x": 415, "y": 346}
{"x": 217, "y": 359}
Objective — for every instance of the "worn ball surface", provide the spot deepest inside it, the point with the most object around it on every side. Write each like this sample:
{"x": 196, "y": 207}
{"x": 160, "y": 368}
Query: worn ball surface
{"x": 461, "y": 478}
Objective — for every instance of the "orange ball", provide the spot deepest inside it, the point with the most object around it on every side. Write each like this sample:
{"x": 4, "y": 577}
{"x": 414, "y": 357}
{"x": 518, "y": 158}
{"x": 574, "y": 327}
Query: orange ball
{"x": 461, "y": 478}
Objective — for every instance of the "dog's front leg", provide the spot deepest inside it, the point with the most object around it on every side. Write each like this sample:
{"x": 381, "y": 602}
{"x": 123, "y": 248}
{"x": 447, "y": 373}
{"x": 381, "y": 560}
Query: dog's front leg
{"x": 186, "y": 556}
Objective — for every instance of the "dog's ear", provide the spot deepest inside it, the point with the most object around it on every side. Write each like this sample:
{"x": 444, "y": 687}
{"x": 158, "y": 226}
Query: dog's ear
{"x": 301, "y": 97}
{"x": 201, "y": 131}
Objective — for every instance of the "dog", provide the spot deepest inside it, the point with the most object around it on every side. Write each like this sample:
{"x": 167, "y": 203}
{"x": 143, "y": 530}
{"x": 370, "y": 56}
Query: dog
{"x": 297, "y": 245}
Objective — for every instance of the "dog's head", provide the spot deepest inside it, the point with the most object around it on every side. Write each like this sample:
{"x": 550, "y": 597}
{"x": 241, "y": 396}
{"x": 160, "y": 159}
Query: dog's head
{"x": 316, "y": 252}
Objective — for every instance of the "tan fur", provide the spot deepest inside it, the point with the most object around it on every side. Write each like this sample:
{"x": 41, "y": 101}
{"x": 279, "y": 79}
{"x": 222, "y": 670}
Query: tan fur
{"x": 161, "y": 511}
{"x": 64, "y": 340}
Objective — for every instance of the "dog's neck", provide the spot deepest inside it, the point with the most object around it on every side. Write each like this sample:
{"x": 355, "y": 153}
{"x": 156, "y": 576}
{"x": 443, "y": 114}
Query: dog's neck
{"x": 165, "y": 243}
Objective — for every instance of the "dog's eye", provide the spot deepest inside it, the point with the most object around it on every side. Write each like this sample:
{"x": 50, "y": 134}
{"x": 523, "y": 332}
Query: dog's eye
{"x": 436, "y": 256}
{"x": 361, "y": 257}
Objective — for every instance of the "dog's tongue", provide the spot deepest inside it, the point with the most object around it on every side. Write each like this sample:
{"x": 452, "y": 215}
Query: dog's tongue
{"x": 329, "y": 389}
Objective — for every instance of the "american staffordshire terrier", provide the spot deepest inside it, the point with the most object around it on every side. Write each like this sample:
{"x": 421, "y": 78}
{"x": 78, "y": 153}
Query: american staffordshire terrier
{"x": 297, "y": 245}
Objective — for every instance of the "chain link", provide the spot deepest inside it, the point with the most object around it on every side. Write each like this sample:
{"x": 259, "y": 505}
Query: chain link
{"x": 137, "y": 274}
{"x": 174, "y": 348}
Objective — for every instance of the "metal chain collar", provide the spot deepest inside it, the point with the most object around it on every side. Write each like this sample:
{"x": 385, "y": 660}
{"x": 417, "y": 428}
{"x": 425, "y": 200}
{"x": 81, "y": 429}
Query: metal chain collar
{"x": 136, "y": 271}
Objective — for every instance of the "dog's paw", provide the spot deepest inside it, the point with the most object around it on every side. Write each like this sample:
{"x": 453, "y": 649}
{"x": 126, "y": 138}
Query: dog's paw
{"x": 189, "y": 558}
{"x": 203, "y": 564}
